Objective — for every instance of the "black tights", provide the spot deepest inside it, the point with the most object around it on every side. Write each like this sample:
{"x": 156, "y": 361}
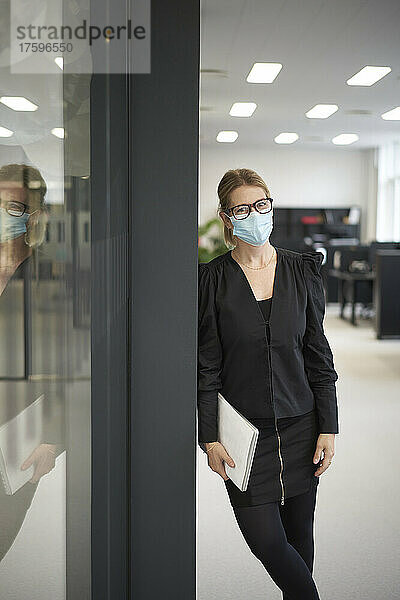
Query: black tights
{"x": 282, "y": 538}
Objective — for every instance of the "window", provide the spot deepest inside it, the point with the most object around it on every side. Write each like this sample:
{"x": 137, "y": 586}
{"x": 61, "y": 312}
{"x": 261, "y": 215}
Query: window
{"x": 388, "y": 205}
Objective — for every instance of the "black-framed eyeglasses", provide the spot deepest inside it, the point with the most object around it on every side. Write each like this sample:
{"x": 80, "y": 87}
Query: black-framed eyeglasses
{"x": 15, "y": 208}
{"x": 242, "y": 211}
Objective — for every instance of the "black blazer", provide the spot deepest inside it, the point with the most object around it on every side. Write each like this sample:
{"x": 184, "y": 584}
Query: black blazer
{"x": 233, "y": 348}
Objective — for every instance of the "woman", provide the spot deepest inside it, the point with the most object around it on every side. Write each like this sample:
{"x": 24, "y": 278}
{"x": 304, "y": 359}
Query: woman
{"x": 23, "y": 221}
{"x": 262, "y": 345}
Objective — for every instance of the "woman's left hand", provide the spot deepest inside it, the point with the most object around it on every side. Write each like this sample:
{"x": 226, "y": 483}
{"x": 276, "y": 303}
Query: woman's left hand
{"x": 325, "y": 445}
{"x": 43, "y": 458}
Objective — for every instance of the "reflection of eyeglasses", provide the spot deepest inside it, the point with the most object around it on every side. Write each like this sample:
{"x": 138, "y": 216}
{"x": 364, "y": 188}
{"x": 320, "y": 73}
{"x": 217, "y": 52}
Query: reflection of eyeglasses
{"x": 242, "y": 211}
{"x": 16, "y": 209}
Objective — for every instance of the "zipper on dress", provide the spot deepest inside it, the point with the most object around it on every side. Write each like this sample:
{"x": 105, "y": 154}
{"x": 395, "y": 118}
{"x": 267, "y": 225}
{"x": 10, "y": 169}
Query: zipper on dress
{"x": 276, "y": 424}
{"x": 280, "y": 458}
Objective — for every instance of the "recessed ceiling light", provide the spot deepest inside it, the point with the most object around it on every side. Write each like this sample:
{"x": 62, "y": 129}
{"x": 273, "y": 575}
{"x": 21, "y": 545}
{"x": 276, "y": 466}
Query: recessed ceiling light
{"x": 58, "y": 132}
{"x": 227, "y": 136}
{"x": 59, "y": 62}
{"x": 263, "y": 72}
{"x": 344, "y": 139}
{"x": 321, "y": 111}
{"x": 286, "y": 138}
{"x": 392, "y": 115}
{"x": 242, "y": 109}
{"x": 18, "y": 103}
{"x": 368, "y": 75}
{"x": 4, "y": 132}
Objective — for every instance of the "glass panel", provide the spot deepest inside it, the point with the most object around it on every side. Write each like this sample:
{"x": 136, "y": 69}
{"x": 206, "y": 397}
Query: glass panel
{"x": 45, "y": 339}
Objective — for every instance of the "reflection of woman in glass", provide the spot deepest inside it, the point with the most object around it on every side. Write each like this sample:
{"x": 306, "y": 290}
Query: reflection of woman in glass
{"x": 23, "y": 221}
{"x": 262, "y": 344}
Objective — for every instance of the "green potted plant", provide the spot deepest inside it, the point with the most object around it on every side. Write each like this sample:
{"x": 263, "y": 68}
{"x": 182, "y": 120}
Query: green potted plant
{"x": 211, "y": 240}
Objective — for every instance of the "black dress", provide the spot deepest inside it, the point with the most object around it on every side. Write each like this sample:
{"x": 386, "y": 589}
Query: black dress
{"x": 283, "y": 462}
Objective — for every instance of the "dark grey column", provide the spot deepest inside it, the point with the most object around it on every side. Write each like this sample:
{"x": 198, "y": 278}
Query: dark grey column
{"x": 110, "y": 337}
{"x": 164, "y": 184}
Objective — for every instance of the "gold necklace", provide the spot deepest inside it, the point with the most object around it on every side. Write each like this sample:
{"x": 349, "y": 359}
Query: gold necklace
{"x": 258, "y": 268}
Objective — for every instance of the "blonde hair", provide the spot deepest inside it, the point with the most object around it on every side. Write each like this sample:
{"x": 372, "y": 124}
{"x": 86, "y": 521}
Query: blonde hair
{"x": 233, "y": 179}
{"x": 37, "y": 188}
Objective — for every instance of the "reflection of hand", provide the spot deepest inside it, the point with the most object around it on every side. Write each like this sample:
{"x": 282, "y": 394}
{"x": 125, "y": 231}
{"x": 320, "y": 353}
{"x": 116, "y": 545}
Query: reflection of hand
{"x": 325, "y": 446}
{"x": 44, "y": 459}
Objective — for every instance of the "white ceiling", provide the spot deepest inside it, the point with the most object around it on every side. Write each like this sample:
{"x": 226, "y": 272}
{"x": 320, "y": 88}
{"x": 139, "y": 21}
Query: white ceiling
{"x": 320, "y": 43}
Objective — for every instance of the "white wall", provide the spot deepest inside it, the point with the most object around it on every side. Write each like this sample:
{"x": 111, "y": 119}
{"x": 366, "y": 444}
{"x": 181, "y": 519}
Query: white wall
{"x": 296, "y": 177}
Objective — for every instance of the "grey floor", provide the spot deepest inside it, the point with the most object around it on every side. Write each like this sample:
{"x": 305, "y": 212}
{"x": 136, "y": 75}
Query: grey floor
{"x": 357, "y": 519}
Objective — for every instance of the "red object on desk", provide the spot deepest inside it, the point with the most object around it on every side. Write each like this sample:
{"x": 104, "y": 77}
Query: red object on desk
{"x": 311, "y": 220}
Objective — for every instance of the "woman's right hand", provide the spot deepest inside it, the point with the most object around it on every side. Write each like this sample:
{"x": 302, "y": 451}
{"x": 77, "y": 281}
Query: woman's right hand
{"x": 216, "y": 457}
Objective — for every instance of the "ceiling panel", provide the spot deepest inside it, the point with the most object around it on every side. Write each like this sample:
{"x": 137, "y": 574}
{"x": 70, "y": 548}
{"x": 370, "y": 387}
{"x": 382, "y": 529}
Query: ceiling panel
{"x": 320, "y": 44}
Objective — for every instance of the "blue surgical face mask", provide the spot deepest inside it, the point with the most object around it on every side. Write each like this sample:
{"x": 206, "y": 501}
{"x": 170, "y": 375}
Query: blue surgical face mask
{"x": 255, "y": 229}
{"x": 11, "y": 226}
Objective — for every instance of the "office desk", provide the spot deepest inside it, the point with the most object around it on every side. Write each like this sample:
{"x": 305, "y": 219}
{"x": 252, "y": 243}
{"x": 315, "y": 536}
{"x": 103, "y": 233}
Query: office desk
{"x": 354, "y": 279}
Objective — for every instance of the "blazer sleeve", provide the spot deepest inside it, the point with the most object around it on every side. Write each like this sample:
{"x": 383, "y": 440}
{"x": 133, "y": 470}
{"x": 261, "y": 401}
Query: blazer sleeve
{"x": 318, "y": 358}
{"x": 209, "y": 358}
